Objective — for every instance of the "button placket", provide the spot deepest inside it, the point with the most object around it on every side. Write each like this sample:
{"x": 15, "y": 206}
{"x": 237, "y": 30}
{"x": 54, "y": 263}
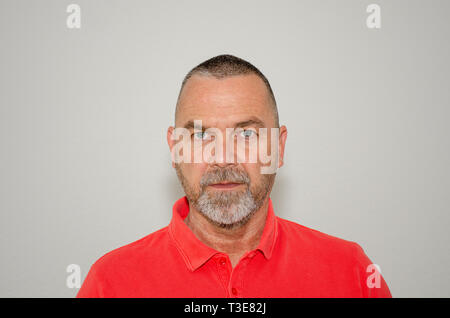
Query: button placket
{"x": 237, "y": 275}
{"x": 235, "y": 283}
{"x": 222, "y": 269}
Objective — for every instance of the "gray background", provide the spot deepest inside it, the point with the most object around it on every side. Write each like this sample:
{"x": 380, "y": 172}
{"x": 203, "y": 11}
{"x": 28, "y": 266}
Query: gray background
{"x": 83, "y": 116}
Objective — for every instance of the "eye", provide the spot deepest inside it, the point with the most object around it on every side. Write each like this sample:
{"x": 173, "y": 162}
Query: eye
{"x": 201, "y": 135}
{"x": 248, "y": 133}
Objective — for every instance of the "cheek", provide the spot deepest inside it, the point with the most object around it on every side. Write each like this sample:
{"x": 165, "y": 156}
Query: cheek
{"x": 254, "y": 172}
{"x": 193, "y": 172}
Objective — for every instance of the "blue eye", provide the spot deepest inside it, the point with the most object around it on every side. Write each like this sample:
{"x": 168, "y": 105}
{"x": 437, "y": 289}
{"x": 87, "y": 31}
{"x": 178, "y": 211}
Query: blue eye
{"x": 248, "y": 133}
{"x": 201, "y": 135}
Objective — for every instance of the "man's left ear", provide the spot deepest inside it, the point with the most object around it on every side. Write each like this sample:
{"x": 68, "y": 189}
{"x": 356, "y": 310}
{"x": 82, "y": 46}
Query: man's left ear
{"x": 281, "y": 144}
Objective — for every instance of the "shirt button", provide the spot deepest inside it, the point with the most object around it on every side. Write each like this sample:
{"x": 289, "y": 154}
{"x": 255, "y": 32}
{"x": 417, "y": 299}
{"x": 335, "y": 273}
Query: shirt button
{"x": 222, "y": 261}
{"x": 234, "y": 291}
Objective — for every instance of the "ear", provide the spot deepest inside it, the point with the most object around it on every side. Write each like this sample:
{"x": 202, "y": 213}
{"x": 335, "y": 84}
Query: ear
{"x": 281, "y": 144}
{"x": 170, "y": 142}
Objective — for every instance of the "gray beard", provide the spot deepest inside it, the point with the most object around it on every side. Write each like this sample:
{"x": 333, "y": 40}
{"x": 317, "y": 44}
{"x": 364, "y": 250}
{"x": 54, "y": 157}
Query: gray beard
{"x": 227, "y": 210}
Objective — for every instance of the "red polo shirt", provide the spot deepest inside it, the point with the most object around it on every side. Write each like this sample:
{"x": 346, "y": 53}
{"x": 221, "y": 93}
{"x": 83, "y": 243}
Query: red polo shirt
{"x": 290, "y": 261}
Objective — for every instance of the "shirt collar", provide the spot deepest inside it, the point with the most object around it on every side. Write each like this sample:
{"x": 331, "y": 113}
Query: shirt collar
{"x": 195, "y": 253}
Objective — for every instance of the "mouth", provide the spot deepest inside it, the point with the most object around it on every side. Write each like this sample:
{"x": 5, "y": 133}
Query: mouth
{"x": 226, "y": 185}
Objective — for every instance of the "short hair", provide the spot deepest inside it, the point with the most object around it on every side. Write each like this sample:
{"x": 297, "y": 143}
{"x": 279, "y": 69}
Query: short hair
{"x": 226, "y": 65}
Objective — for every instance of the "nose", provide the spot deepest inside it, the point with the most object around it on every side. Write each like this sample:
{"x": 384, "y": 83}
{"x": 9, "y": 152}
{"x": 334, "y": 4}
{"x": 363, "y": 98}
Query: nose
{"x": 223, "y": 152}
{"x": 224, "y": 158}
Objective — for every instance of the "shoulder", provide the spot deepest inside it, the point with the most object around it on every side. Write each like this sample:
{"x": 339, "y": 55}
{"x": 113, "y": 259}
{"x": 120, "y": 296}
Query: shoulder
{"x": 132, "y": 253}
{"x": 314, "y": 241}
{"x": 116, "y": 269}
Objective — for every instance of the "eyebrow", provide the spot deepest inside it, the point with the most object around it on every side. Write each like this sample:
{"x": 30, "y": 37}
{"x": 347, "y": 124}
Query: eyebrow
{"x": 251, "y": 122}
{"x": 254, "y": 121}
{"x": 189, "y": 125}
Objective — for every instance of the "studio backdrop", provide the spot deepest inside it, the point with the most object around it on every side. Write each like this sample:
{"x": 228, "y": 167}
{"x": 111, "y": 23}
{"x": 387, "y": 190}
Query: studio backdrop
{"x": 88, "y": 90}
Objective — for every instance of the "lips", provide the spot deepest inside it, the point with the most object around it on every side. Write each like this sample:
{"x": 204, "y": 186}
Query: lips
{"x": 225, "y": 185}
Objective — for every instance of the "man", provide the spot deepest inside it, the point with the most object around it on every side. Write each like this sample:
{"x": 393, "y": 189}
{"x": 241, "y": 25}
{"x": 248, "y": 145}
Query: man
{"x": 224, "y": 239}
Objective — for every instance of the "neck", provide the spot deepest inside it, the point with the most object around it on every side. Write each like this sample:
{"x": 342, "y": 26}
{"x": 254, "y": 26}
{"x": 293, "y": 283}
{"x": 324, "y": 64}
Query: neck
{"x": 234, "y": 242}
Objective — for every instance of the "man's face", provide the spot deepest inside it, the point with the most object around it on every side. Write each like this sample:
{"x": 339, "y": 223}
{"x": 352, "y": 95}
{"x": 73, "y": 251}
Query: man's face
{"x": 226, "y": 193}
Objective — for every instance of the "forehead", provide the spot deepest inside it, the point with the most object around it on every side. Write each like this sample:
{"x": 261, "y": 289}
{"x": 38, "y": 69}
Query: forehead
{"x": 219, "y": 102}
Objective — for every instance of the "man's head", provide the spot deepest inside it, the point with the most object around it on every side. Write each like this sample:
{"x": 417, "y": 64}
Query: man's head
{"x": 225, "y": 66}
{"x": 227, "y": 92}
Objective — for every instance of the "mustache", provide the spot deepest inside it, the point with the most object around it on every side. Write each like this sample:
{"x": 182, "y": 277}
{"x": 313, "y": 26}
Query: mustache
{"x": 224, "y": 175}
